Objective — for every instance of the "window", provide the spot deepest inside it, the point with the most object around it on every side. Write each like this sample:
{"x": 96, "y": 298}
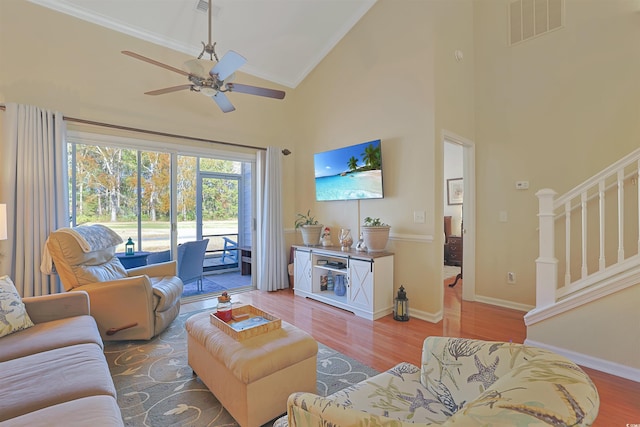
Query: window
{"x": 124, "y": 185}
{"x": 127, "y": 190}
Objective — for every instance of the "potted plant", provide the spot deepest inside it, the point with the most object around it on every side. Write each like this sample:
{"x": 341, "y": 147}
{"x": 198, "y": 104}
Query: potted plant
{"x": 375, "y": 234}
{"x": 309, "y": 227}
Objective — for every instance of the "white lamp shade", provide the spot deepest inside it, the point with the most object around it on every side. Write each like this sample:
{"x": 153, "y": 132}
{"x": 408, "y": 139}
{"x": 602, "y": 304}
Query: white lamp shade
{"x": 3, "y": 222}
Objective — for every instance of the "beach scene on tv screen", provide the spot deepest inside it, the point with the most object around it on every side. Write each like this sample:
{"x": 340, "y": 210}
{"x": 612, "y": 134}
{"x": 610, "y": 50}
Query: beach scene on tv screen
{"x": 349, "y": 173}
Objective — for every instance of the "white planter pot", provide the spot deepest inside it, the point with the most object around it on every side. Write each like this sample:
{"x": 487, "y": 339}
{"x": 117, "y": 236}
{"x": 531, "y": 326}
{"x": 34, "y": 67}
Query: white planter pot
{"x": 311, "y": 234}
{"x": 376, "y": 238}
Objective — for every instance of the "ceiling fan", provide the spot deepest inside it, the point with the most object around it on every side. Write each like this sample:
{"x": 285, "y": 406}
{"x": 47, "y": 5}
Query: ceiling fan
{"x": 213, "y": 81}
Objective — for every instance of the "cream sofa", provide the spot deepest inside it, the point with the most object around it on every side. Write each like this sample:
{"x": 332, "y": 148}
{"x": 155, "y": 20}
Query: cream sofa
{"x": 55, "y": 372}
{"x": 461, "y": 382}
{"x": 134, "y": 304}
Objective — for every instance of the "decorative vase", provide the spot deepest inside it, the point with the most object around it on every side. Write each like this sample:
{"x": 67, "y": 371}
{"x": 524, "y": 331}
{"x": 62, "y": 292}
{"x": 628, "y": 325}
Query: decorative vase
{"x": 330, "y": 282}
{"x": 376, "y": 237}
{"x": 339, "y": 289}
{"x": 311, "y": 234}
{"x": 345, "y": 239}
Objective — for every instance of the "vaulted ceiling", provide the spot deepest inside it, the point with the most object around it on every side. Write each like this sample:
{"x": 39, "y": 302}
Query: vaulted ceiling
{"x": 283, "y": 40}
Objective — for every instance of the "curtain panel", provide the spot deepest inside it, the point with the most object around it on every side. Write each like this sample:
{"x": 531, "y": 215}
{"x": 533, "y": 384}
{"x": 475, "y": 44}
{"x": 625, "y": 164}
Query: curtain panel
{"x": 35, "y": 187}
{"x": 272, "y": 259}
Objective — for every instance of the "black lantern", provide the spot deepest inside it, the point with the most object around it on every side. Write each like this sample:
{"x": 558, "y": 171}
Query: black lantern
{"x": 128, "y": 247}
{"x": 401, "y": 306}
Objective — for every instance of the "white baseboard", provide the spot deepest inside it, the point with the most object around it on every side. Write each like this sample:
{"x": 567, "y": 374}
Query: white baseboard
{"x": 504, "y": 303}
{"x": 587, "y": 361}
{"x": 423, "y": 315}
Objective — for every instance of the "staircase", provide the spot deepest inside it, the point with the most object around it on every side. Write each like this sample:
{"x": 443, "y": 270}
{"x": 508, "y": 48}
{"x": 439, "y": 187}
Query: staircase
{"x": 588, "y": 271}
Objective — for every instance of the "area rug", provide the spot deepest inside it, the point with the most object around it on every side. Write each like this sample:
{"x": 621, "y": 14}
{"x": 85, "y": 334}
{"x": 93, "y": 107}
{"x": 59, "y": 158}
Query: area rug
{"x": 216, "y": 284}
{"x": 156, "y": 386}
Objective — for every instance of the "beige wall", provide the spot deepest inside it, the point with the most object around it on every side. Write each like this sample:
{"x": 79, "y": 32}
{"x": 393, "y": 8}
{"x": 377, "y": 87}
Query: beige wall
{"x": 552, "y": 111}
{"x": 606, "y": 329}
{"x": 379, "y": 82}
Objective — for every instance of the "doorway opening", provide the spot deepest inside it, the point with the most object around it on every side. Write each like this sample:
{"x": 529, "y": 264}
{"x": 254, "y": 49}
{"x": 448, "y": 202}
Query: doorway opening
{"x": 459, "y": 214}
{"x": 453, "y": 208}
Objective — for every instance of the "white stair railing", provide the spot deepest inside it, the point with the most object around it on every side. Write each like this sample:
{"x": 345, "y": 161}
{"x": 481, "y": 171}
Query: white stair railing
{"x": 595, "y": 221}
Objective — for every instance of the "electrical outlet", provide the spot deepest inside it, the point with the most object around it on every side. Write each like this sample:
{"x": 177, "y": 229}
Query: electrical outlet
{"x": 511, "y": 278}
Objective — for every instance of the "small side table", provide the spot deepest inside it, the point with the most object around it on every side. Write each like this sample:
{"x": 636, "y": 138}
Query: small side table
{"x": 245, "y": 260}
{"x": 138, "y": 259}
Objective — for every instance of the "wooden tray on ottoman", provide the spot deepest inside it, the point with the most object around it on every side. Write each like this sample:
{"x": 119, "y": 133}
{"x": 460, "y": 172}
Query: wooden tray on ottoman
{"x": 242, "y": 318}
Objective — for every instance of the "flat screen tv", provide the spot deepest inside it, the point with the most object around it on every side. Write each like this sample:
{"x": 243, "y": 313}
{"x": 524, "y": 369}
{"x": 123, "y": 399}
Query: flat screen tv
{"x": 349, "y": 173}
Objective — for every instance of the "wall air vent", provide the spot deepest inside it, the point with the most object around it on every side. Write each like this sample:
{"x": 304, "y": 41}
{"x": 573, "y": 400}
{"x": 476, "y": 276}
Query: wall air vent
{"x": 203, "y": 6}
{"x": 532, "y": 18}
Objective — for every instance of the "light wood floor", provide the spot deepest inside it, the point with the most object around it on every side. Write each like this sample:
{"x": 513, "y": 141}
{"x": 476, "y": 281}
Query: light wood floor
{"x": 385, "y": 342}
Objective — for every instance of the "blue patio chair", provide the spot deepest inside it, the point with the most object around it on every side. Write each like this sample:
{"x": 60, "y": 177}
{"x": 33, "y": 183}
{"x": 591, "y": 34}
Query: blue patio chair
{"x": 191, "y": 260}
{"x": 230, "y": 249}
{"x": 158, "y": 257}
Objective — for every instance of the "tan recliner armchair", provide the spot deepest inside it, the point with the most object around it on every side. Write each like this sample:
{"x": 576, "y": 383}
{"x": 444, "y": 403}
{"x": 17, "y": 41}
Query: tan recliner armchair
{"x": 134, "y": 304}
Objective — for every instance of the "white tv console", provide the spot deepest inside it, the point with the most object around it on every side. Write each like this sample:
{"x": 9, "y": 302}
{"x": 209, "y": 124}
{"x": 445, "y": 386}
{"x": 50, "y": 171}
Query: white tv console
{"x": 368, "y": 278}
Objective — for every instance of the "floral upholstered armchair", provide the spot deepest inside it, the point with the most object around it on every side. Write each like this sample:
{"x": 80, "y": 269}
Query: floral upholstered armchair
{"x": 462, "y": 382}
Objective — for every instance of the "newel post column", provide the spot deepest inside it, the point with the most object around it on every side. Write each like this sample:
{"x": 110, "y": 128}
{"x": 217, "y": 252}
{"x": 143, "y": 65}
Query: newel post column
{"x": 546, "y": 264}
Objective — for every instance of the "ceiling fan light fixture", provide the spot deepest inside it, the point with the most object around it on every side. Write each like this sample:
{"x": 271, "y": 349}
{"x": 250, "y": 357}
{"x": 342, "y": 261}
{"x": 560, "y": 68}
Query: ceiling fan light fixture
{"x": 198, "y": 67}
{"x": 208, "y": 91}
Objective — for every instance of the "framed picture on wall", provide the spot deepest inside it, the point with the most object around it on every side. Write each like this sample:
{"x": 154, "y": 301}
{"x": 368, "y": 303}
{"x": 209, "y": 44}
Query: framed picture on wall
{"x": 455, "y": 191}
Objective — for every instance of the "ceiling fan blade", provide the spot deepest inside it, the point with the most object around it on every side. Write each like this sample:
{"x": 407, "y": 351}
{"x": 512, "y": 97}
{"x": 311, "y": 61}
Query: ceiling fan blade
{"x": 168, "y": 90}
{"x": 229, "y": 63}
{"x": 254, "y": 90}
{"x": 154, "y": 62}
{"x": 223, "y": 102}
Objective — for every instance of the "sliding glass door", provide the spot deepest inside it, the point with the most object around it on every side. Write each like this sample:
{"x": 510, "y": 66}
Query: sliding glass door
{"x": 160, "y": 198}
{"x": 222, "y": 213}
{"x": 219, "y": 209}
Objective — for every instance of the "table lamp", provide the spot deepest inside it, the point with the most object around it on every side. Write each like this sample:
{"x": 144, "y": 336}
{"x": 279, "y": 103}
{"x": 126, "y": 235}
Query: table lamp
{"x": 3, "y": 225}
{"x": 3, "y": 221}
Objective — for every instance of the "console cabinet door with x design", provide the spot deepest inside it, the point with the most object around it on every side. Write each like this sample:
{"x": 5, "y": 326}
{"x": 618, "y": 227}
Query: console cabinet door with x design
{"x": 360, "y": 290}
{"x": 302, "y": 271}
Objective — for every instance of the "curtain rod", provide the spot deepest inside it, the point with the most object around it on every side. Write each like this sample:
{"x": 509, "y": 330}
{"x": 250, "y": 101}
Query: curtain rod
{"x": 285, "y": 151}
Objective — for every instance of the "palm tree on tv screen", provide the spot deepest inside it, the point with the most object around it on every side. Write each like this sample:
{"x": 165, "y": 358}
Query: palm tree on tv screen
{"x": 371, "y": 156}
{"x": 353, "y": 163}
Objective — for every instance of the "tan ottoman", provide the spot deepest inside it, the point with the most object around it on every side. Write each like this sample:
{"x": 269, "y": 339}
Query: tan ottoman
{"x": 252, "y": 378}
